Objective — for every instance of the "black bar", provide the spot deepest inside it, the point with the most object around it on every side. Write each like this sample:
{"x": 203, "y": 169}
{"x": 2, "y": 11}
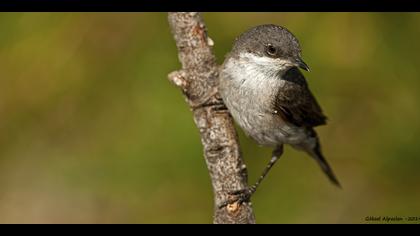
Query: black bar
{"x": 209, "y": 5}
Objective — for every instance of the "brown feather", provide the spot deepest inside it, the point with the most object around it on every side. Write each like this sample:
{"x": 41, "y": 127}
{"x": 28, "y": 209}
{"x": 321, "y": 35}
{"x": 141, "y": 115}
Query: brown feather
{"x": 295, "y": 102}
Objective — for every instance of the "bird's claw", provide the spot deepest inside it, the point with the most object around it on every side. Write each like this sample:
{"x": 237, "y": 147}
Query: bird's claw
{"x": 239, "y": 196}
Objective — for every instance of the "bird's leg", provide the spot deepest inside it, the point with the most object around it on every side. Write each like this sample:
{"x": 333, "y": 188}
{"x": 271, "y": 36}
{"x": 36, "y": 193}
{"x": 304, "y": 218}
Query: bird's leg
{"x": 275, "y": 156}
{"x": 244, "y": 195}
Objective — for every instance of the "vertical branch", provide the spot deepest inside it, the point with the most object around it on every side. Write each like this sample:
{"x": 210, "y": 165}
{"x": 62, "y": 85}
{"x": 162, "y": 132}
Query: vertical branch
{"x": 198, "y": 81}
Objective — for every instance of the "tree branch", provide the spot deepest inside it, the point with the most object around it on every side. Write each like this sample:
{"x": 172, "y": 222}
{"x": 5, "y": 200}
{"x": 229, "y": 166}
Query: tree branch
{"x": 198, "y": 81}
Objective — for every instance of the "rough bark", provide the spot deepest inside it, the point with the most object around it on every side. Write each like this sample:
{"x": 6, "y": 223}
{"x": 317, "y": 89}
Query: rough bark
{"x": 198, "y": 81}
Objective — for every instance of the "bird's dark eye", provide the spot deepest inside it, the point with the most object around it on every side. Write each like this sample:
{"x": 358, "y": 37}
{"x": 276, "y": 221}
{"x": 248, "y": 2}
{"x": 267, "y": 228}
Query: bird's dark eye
{"x": 271, "y": 50}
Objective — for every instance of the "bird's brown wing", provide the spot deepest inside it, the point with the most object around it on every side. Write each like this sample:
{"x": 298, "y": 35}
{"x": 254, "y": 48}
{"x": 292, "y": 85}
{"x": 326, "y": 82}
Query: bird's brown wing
{"x": 296, "y": 104}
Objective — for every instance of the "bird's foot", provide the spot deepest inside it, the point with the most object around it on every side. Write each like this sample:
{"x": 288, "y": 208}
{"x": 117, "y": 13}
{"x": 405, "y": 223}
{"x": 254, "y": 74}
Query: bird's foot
{"x": 239, "y": 196}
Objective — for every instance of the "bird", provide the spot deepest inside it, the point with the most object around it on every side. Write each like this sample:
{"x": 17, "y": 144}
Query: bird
{"x": 267, "y": 95}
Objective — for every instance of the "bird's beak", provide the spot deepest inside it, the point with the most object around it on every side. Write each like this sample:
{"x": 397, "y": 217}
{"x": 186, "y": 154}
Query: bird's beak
{"x": 300, "y": 63}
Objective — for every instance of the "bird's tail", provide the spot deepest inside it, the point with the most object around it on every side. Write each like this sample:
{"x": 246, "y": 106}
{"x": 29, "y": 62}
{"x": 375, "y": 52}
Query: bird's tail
{"x": 316, "y": 153}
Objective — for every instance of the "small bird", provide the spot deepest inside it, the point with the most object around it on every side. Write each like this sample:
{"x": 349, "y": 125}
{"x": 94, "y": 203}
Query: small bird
{"x": 267, "y": 95}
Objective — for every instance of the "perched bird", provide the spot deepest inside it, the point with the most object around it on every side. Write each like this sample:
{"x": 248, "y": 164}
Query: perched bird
{"x": 267, "y": 95}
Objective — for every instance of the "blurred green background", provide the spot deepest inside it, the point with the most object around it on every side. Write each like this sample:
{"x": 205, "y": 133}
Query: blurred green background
{"x": 91, "y": 131}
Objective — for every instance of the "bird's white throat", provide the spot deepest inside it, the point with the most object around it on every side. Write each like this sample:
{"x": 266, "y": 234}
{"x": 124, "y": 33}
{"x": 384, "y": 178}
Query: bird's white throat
{"x": 255, "y": 72}
{"x": 264, "y": 64}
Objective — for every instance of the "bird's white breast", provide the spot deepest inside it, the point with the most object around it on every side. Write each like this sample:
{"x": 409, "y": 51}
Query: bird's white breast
{"x": 249, "y": 84}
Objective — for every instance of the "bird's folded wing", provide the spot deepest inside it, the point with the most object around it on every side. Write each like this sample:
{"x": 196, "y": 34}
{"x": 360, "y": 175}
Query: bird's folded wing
{"x": 296, "y": 104}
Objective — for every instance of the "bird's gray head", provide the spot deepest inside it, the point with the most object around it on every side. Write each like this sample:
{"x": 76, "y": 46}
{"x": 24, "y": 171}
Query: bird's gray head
{"x": 272, "y": 48}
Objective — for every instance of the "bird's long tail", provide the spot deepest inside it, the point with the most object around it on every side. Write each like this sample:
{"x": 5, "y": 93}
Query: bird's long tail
{"x": 316, "y": 153}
